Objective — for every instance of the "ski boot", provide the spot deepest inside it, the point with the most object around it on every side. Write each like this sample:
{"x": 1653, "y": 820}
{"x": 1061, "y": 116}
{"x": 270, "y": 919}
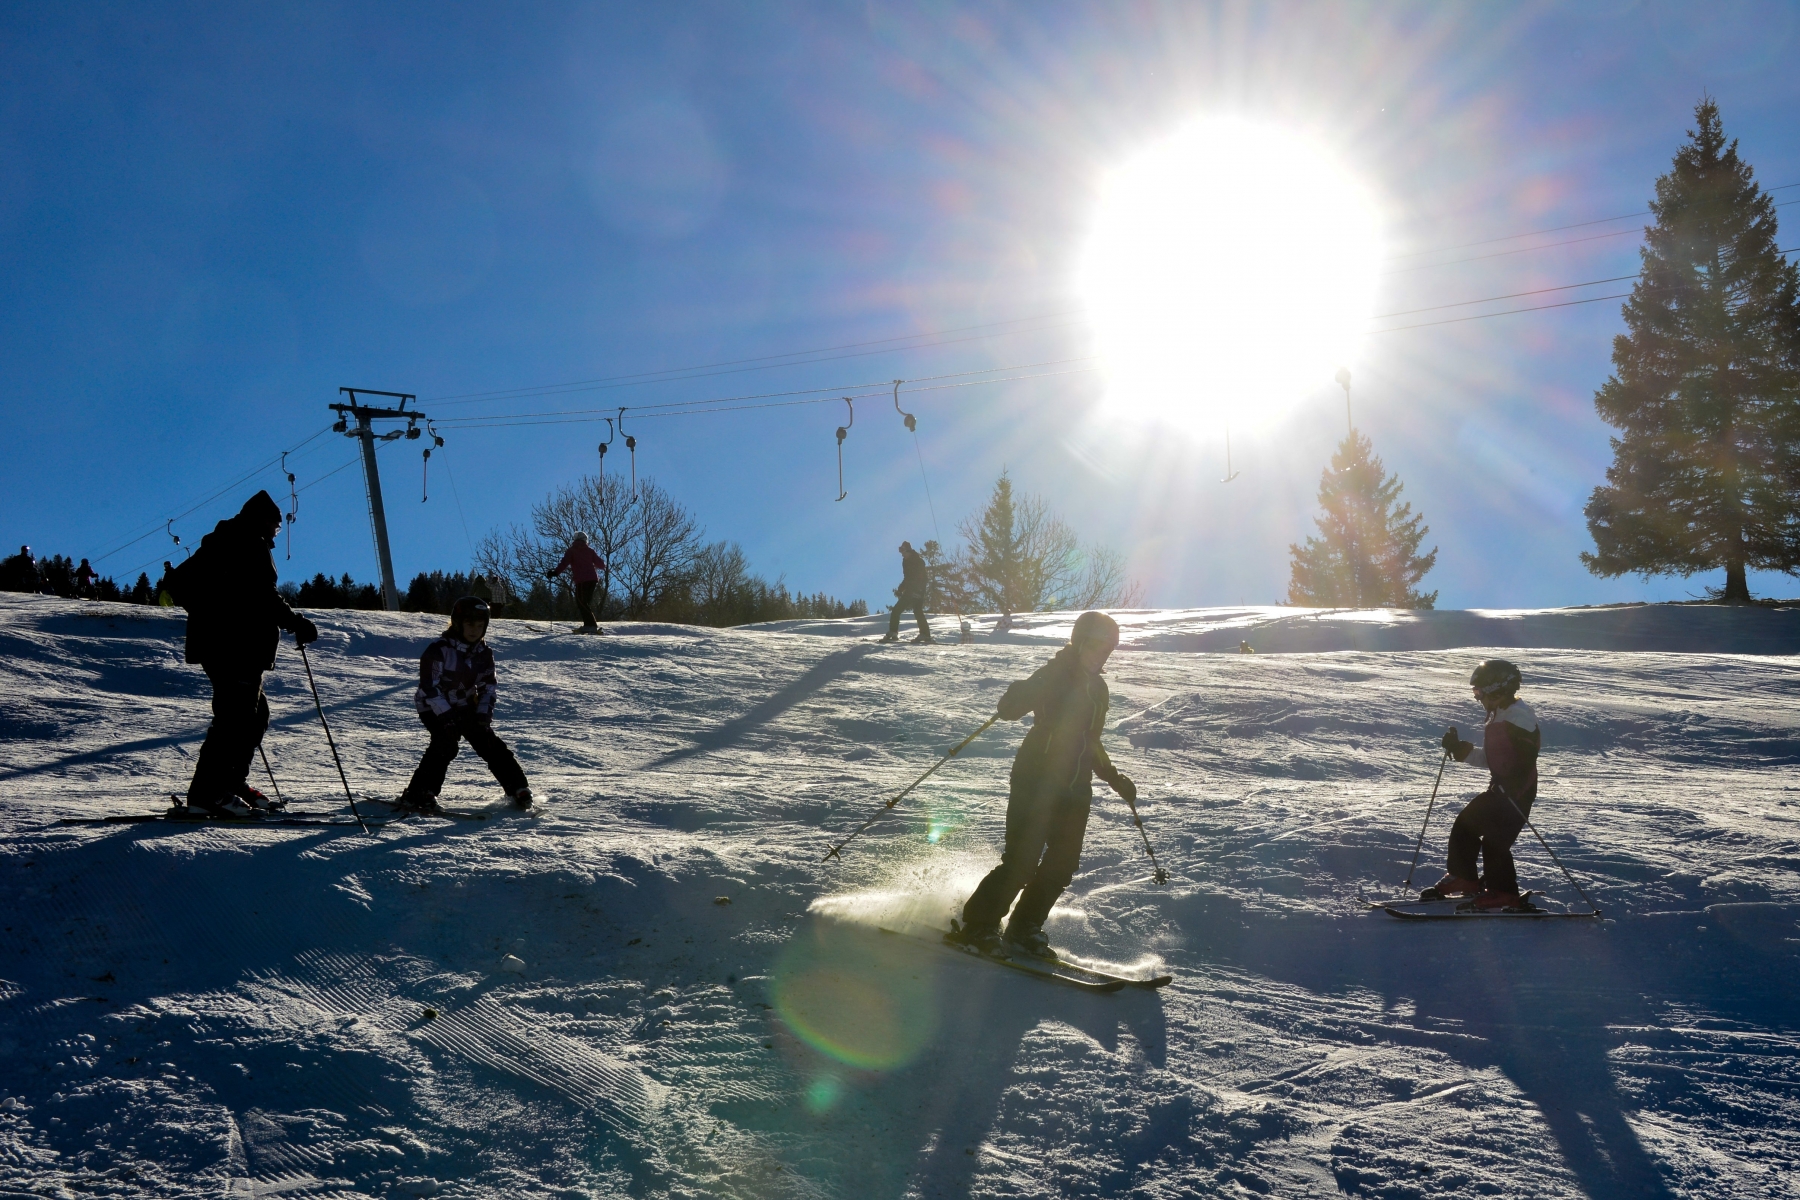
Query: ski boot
{"x": 256, "y": 800}
{"x": 522, "y": 797}
{"x": 983, "y": 939}
{"x": 924, "y": 639}
{"x": 1025, "y": 938}
{"x": 1450, "y": 887}
{"x": 410, "y": 801}
{"x": 1496, "y": 900}
{"x": 889, "y": 637}
{"x": 227, "y": 807}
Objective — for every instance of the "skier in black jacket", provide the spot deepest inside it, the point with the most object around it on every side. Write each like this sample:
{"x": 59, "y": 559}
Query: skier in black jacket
{"x": 914, "y": 581}
{"x": 235, "y": 620}
{"x": 1052, "y": 788}
{"x": 1489, "y": 824}
{"x": 455, "y": 699}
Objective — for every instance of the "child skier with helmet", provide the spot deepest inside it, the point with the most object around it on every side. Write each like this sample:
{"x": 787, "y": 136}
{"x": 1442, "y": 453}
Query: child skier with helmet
{"x": 455, "y": 699}
{"x": 1051, "y": 790}
{"x": 1493, "y": 819}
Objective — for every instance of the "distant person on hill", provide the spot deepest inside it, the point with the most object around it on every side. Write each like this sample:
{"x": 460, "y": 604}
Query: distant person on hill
{"x": 455, "y": 699}
{"x": 165, "y": 587}
{"x": 914, "y": 580}
{"x": 235, "y": 620}
{"x": 1493, "y": 819}
{"x": 1052, "y": 788}
{"x": 85, "y": 578}
{"x": 584, "y": 566}
{"x": 19, "y": 573}
{"x": 490, "y": 594}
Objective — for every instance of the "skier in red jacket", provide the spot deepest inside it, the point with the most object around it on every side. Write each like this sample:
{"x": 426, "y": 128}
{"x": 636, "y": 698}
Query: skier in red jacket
{"x": 584, "y": 566}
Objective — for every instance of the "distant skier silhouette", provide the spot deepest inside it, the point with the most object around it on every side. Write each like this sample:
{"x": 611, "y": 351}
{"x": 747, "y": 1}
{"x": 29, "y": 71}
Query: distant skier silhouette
{"x": 914, "y": 581}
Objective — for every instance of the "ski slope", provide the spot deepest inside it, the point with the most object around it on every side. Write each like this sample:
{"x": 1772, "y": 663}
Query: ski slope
{"x": 654, "y": 987}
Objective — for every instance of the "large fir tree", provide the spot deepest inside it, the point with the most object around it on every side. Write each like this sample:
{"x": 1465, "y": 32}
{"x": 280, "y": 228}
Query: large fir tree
{"x": 1704, "y": 471}
{"x": 1367, "y": 552}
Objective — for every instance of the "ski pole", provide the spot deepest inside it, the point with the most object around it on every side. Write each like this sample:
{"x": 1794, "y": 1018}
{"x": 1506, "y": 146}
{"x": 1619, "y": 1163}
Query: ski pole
{"x": 279, "y": 802}
{"x": 1407, "y": 886}
{"x": 330, "y": 742}
{"x": 1160, "y": 875}
{"x": 1546, "y": 845}
{"x": 954, "y": 750}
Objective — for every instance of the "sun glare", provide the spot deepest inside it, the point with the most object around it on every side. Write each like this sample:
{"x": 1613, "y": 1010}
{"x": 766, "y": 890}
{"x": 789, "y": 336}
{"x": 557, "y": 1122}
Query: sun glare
{"x": 1229, "y": 272}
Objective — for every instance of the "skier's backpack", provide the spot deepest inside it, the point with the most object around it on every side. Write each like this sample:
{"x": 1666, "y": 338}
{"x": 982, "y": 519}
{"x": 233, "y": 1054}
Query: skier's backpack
{"x": 184, "y": 583}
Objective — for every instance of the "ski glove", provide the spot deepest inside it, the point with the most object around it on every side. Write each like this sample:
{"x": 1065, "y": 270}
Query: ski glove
{"x": 304, "y": 631}
{"x": 1121, "y": 783}
{"x": 1455, "y": 747}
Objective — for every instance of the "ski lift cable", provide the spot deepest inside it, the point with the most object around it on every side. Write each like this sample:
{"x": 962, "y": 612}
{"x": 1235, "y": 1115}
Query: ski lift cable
{"x": 674, "y": 374}
{"x": 1596, "y": 237}
{"x": 1553, "y": 229}
{"x": 288, "y": 519}
{"x": 912, "y": 427}
{"x": 451, "y": 476}
{"x": 351, "y": 462}
{"x": 928, "y": 338}
{"x": 553, "y": 419}
{"x": 843, "y": 431}
{"x": 862, "y": 390}
{"x": 630, "y": 449}
{"x": 487, "y": 421}
{"x": 211, "y": 496}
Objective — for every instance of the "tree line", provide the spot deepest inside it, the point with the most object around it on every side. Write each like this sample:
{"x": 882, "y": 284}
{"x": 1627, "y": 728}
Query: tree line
{"x": 662, "y": 566}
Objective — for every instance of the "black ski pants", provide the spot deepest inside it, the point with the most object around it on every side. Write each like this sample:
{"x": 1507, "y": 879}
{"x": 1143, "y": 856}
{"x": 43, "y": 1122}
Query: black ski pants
{"x": 917, "y": 605}
{"x": 447, "y": 733}
{"x": 240, "y": 718}
{"x": 584, "y": 600}
{"x": 1045, "y": 826}
{"x": 1487, "y": 827}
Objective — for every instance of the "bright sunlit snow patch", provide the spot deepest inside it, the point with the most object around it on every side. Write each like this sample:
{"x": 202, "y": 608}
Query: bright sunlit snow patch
{"x": 1229, "y": 272}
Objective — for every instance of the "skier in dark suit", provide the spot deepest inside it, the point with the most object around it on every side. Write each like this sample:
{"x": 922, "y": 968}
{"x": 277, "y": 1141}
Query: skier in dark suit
{"x": 235, "y": 621}
{"x": 1052, "y": 788}
{"x": 914, "y": 580}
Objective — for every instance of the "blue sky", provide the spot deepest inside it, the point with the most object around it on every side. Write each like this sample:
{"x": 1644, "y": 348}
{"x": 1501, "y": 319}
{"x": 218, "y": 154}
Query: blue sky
{"x": 211, "y": 217}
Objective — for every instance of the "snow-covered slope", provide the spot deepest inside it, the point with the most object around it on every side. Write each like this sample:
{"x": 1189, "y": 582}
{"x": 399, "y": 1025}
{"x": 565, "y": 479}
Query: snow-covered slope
{"x": 704, "y": 1008}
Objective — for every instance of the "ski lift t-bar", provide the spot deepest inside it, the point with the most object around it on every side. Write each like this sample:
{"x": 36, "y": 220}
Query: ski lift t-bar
{"x": 364, "y": 432}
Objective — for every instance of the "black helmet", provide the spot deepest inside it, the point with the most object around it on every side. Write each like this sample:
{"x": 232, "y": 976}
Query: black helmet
{"x": 468, "y": 606}
{"x": 1095, "y": 626}
{"x": 1495, "y": 676}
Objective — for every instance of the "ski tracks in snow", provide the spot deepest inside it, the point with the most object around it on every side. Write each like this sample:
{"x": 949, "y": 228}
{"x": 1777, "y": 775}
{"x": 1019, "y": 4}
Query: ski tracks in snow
{"x": 243, "y": 1012}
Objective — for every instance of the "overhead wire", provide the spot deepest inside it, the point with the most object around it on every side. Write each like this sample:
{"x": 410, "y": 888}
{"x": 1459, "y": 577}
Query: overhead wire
{"x": 924, "y": 340}
{"x": 1511, "y": 237}
{"x": 211, "y": 496}
{"x": 1042, "y": 322}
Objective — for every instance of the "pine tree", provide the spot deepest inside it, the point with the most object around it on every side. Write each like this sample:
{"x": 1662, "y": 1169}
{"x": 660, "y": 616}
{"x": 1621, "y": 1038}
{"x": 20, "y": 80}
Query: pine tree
{"x": 1706, "y": 470}
{"x": 1367, "y": 554}
{"x": 1020, "y": 557}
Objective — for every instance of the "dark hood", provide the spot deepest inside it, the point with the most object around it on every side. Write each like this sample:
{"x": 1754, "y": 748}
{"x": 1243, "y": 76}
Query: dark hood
{"x": 261, "y": 510}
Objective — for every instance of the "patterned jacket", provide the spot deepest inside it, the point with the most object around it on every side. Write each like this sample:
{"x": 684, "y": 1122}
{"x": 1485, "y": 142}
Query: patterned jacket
{"x": 1509, "y": 750}
{"x": 455, "y": 677}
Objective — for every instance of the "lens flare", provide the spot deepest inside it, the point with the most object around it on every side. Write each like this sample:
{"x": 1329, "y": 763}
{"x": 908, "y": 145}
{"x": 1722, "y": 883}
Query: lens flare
{"x": 852, "y": 998}
{"x": 1229, "y": 272}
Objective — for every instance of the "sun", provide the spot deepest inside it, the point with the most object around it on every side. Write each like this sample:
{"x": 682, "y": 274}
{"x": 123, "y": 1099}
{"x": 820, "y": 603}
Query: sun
{"x": 1229, "y": 272}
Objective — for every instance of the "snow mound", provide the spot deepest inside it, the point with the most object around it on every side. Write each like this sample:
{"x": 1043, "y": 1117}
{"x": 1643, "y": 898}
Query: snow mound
{"x": 653, "y": 984}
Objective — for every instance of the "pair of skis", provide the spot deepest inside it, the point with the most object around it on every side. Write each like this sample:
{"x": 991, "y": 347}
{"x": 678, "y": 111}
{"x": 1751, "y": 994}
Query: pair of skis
{"x": 181, "y": 815}
{"x": 1457, "y": 908}
{"x": 1069, "y": 974}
